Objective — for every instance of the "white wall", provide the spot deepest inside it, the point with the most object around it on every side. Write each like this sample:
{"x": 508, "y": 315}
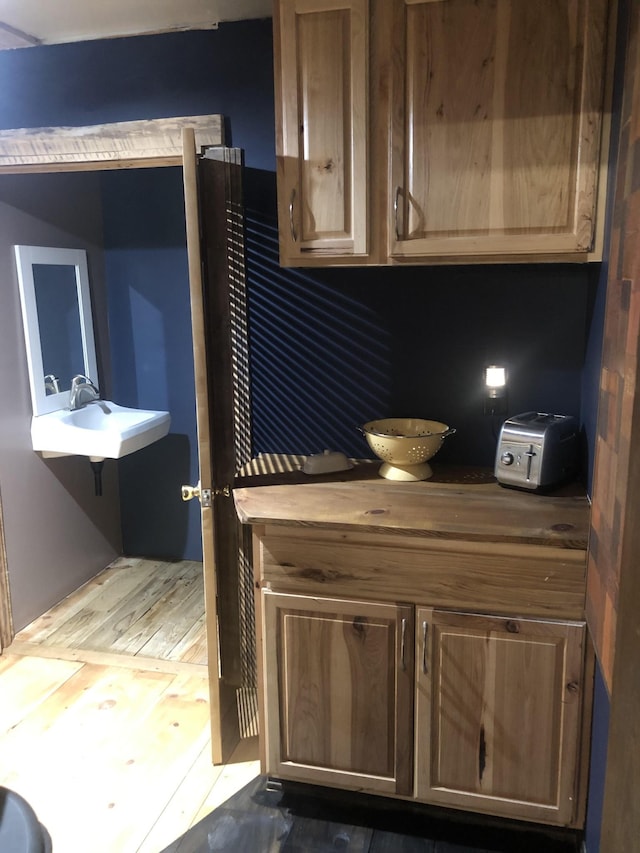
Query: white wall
{"x": 58, "y": 533}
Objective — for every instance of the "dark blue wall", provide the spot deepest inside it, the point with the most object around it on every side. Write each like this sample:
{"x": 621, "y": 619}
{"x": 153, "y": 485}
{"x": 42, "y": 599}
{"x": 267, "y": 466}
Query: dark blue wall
{"x": 227, "y": 71}
{"x": 331, "y": 349}
{"x": 152, "y": 356}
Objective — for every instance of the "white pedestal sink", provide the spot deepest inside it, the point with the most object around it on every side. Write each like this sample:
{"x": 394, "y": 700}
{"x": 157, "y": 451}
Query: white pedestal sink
{"x": 99, "y": 430}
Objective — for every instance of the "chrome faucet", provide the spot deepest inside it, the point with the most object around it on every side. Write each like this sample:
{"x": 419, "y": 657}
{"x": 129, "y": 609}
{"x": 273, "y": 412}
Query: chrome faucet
{"x": 82, "y": 391}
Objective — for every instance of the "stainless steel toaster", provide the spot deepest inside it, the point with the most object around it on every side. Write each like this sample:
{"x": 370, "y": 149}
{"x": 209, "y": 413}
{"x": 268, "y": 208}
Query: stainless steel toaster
{"x": 537, "y": 450}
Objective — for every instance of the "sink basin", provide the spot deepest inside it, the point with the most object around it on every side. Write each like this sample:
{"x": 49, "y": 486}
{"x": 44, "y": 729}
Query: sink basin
{"x": 100, "y": 430}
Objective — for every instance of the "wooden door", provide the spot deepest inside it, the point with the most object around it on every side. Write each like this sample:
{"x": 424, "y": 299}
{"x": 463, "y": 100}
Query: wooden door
{"x": 321, "y": 71}
{"x": 213, "y": 216}
{"x": 498, "y": 714}
{"x": 338, "y": 706}
{"x": 495, "y": 114}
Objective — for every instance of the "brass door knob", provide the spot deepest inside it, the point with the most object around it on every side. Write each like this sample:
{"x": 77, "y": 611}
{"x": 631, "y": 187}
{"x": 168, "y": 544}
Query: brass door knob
{"x": 190, "y": 492}
{"x": 203, "y": 495}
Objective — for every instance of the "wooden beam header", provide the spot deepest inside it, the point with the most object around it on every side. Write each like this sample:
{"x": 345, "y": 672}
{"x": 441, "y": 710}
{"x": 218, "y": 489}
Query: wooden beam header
{"x": 121, "y": 145}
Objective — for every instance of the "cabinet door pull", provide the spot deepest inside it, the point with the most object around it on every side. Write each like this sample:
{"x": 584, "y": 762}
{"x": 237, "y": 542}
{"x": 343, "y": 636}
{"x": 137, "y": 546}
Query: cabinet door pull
{"x": 402, "y": 639}
{"x": 425, "y": 632}
{"x": 395, "y": 212}
{"x": 294, "y": 235}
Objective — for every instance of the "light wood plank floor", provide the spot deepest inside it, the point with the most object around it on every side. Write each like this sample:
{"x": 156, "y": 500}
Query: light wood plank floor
{"x": 104, "y": 713}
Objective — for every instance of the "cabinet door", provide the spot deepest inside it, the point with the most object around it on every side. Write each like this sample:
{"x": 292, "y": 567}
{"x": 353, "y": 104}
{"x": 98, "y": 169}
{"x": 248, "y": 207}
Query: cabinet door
{"x": 496, "y": 121}
{"x": 498, "y": 714}
{"x": 321, "y": 73}
{"x": 338, "y": 692}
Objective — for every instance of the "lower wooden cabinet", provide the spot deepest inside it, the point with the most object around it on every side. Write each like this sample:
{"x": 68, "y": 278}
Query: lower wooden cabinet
{"x": 338, "y": 692}
{"x": 497, "y": 703}
{"x": 499, "y": 714}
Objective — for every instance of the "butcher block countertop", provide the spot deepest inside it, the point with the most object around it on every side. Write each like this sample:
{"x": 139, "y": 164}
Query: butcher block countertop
{"x": 464, "y": 504}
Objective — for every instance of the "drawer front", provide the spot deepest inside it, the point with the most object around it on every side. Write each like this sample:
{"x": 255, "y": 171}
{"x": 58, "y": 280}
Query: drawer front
{"x": 503, "y": 579}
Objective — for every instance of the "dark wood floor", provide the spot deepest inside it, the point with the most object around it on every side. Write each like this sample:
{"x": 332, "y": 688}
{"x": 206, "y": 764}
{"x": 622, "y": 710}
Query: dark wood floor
{"x": 301, "y": 819}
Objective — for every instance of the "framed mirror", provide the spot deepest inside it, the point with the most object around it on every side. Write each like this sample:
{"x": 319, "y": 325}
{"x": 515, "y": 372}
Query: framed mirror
{"x": 58, "y": 323}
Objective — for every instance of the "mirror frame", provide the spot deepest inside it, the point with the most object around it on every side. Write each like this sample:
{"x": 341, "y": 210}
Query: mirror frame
{"x": 26, "y": 257}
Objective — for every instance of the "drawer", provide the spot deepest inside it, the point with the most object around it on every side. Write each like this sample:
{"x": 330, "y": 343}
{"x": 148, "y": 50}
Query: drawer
{"x": 501, "y": 578}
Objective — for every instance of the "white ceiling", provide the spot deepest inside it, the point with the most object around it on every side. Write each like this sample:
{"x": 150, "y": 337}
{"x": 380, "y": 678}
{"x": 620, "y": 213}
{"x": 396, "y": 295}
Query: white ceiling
{"x": 24, "y": 23}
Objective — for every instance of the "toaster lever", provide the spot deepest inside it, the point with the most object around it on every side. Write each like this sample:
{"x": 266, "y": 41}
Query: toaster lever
{"x": 530, "y": 453}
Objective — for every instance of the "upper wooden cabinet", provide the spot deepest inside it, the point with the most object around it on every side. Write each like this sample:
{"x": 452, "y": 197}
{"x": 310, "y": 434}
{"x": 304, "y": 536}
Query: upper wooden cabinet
{"x": 496, "y": 126}
{"x": 470, "y": 131}
{"x": 321, "y": 49}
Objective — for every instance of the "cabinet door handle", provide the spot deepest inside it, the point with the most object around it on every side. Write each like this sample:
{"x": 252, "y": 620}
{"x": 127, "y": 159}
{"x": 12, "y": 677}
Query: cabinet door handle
{"x": 396, "y": 199}
{"x": 402, "y": 641}
{"x": 294, "y": 235}
{"x": 425, "y": 633}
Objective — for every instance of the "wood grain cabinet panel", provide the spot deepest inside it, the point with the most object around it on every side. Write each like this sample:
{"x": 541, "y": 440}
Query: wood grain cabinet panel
{"x": 431, "y": 131}
{"x": 498, "y": 714}
{"x": 496, "y": 126}
{"x": 338, "y": 691}
{"x": 322, "y": 137}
